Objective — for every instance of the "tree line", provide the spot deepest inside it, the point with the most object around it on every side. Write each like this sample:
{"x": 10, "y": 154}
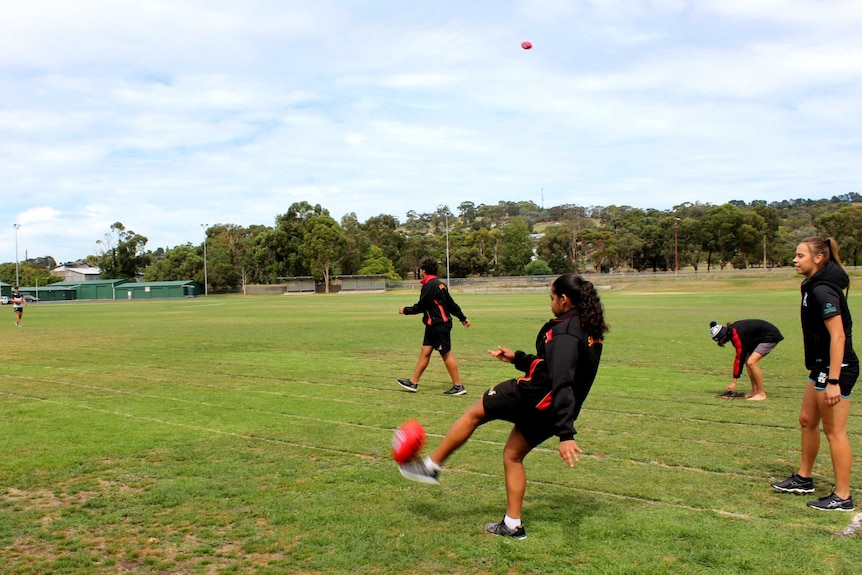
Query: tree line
{"x": 506, "y": 239}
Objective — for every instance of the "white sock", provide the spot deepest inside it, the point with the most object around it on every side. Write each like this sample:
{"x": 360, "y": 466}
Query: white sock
{"x": 512, "y": 523}
{"x": 430, "y": 464}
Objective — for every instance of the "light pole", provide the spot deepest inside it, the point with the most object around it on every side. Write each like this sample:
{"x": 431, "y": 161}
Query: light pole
{"x": 16, "y": 226}
{"x": 676, "y": 246}
{"x": 447, "y": 242}
{"x": 206, "y": 280}
{"x": 447, "y": 247}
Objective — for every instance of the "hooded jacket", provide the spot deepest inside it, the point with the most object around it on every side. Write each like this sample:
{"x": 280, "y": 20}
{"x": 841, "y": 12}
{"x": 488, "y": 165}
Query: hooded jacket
{"x": 562, "y": 371}
{"x": 822, "y": 298}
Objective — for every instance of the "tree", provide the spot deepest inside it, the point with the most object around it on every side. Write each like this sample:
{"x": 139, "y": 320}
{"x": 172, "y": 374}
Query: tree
{"x": 845, "y": 225}
{"x": 538, "y": 268}
{"x": 556, "y": 248}
{"x": 382, "y": 231}
{"x": 126, "y": 259}
{"x": 324, "y": 244}
{"x": 517, "y": 249}
{"x": 179, "y": 263}
{"x": 376, "y": 263}
{"x": 288, "y": 243}
{"x": 356, "y": 245}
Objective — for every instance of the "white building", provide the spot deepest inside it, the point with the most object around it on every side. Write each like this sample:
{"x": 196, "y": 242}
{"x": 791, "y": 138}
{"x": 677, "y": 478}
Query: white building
{"x": 77, "y": 273}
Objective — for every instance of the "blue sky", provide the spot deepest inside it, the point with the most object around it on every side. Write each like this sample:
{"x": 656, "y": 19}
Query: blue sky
{"x": 165, "y": 115}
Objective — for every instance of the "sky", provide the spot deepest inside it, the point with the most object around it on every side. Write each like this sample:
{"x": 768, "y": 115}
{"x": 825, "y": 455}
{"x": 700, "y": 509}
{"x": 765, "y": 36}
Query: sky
{"x": 170, "y": 115}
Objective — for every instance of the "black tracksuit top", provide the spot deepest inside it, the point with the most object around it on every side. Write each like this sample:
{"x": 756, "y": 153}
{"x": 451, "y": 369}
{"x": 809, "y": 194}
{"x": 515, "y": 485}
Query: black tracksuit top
{"x": 822, "y": 298}
{"x": 435, "y": 304}
{"x": 566, "y": 362}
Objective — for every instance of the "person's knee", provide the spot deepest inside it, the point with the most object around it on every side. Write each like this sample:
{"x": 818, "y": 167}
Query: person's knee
{"x": 807, "y": 421}
{"x": 512, "y": 454}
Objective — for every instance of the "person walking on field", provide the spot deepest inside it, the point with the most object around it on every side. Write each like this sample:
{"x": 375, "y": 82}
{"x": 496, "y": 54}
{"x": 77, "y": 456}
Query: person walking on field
{"x": 18, "y": 303}
{"x": 752, "y": 339}
{"x": 437, "y": 308}
{"x": 544, "y": 402}
{"x": 827, "y": 334}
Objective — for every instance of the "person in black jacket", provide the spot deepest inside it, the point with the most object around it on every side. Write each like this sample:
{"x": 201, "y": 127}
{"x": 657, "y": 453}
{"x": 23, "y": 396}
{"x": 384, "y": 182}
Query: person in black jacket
{"x": 752, "y": 339}
{"x": 827, "y": 334}
{"x": 437, "y": 308}
{"x": 544, "y": 402}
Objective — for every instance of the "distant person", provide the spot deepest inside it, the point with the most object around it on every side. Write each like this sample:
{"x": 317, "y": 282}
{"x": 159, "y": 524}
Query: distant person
{"x": 18, "y": 303}
{"x": 543, "y": 403}
{"x": 437, "y": 308}
{"x": 827, "y": 335}
{"x": 752, "y": 339}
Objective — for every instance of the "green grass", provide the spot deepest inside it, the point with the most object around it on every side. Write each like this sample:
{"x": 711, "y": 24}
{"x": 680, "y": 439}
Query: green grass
{"x": 235, "y": 434}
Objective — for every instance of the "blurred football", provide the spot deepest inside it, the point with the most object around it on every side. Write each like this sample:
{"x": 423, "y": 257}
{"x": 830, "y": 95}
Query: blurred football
{"x": 408, "y": 441}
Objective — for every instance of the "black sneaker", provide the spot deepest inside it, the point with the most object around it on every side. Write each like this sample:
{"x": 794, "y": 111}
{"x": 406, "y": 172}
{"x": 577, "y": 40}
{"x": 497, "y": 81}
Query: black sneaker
{"x": 795, "y": 484}
{"x": 416, "y": 470}
{"x": 503, "y": 530}
{"x": 456, "y": 390}
{"x": 832, "y": 503}
{"x": 408, "y": 385}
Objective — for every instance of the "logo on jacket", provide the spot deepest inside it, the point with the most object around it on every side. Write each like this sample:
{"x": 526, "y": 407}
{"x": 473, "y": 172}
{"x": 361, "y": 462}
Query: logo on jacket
{"x": 829, "y": 308}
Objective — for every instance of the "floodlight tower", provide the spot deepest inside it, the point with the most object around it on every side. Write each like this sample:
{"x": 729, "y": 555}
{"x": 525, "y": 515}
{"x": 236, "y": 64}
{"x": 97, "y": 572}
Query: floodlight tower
{"x": 206, "y": 280}
{"x": 16, "y": 226}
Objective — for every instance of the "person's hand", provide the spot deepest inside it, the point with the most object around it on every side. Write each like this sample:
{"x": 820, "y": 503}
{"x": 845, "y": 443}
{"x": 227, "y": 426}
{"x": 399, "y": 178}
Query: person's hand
{"x": 466, "y": 323}
{"x": 569, "y": 451}
{"x": 503, "y": 354}
{"x": 731, "y": 387}
{"x": 401, "y": 310}
{"x": 833, "y": 394}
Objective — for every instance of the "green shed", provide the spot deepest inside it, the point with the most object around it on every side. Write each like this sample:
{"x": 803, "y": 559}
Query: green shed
{"x": 96, "y": 289}
{"x": 5, "y": 289}
{"x": 51, "y": 292}
{"x": 156, "y": 290}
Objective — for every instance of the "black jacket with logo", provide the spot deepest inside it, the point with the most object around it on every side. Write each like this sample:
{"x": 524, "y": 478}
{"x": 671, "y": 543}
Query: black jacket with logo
{"x": 564, "y": 368}
{"x": 822, "y": 298}
{"x": 435, "y": 304}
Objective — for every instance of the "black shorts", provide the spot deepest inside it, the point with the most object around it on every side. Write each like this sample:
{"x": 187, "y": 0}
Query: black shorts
{"x": 524, "y": 405}
{"x": 439, "y": 336}
{"x": 846, "y": 380}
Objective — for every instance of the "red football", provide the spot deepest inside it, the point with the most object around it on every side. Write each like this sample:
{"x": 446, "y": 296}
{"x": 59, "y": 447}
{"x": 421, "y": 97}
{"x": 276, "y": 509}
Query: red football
{"x": 526, "y": 45}
{"x": 408, "y": 441}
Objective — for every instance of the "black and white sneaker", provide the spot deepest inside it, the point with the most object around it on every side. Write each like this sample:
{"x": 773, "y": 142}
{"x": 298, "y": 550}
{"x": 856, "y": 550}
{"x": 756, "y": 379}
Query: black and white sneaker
{"x": 418, "y": 470}
{"x": 408, "y": 385}
{"x": 832, "y": 503}
{"x": 456, "y": 390}
{"x": 504, "y": 530}
{"x": 795, "y": 484}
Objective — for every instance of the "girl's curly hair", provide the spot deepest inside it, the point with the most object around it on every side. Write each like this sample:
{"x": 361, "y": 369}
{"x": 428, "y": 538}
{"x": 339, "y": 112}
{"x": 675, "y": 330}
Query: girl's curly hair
{"x": 586, "y": 300}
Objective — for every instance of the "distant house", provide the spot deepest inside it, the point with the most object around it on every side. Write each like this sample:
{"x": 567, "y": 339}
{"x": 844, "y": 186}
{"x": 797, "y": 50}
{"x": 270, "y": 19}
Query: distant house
{"x": 77, "y": 273}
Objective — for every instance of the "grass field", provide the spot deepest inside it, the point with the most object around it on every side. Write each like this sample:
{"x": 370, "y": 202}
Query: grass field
{"x": 234, "y": 434}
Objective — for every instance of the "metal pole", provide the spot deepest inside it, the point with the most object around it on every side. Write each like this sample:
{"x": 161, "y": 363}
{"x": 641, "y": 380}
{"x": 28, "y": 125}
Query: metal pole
{"x": 17, "y": 281}
{"x": 676, "y": 246}
{"x": 206, "y": 280}
{"x": 448, "y": 283}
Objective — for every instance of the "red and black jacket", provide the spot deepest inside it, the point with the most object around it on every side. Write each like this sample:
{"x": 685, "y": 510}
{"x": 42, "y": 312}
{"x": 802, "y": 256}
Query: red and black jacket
{"x": 746, "y": 335}
{"x": 435, "y": 304}
{"x": 564, "y": 367}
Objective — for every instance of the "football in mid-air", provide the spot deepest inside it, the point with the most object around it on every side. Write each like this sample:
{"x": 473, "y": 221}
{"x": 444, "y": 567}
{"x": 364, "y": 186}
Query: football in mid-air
{"x": 526, "y": 45}
{"x": 408, "y": 441}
